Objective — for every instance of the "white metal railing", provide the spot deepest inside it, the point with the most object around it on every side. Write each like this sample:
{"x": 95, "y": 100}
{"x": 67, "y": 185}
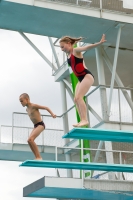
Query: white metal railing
{"x": 22, "y": 127}
{"x": 121, "y": 112}
{"x": 111, "y": 5}
{"x": 20, "y": 134}
{"x": 99, "y": 174}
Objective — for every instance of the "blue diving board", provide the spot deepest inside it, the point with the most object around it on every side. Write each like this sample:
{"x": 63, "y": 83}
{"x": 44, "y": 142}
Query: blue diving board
{"x": 78, "y": 165}
{"x": 100, "y": 134}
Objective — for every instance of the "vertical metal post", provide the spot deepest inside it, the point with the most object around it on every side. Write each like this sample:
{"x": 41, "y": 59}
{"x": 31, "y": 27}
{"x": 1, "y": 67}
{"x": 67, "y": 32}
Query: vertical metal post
{"x": 100, "y": 145}
{"x": 82, "y": 156}
{"x": 88, "y": 116}
{"x": 43, "y": 141}
{"x": 12, "y": 128}
{"x": 101, "y": 8}
{"x": 101, "y": 78}
{"x": 0, "y": 134}
{"x": 56, "y": 158}
{"x": 119, "y": 102}
{"x": 131, "y": 93}
{"x": 114, "y": 68}
{"x": 65, "y": 121}
{"x": 120, "y": 173}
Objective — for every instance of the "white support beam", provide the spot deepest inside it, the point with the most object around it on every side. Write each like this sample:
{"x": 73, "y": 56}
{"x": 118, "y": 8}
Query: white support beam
{"x": 101, "y": 78}
{"x": 117, "y": 79}
{"x": 69, "y": 89}
{"x": 68, "y": 84}
{"x": 100, "y": 145}
{"x": 114, "y": 67}
{"x": 38, "y": 51}
{"x": 69, "y": 92}
{"x": 131, "y": 93}
{"x": 95, "y": 113}
{"x": 109, "y": 158}
{"x": 64, "y": 108}
{"x": 101, "y": 8}
{"x": 54, "y": 51}
{"x": 65, "y": 122}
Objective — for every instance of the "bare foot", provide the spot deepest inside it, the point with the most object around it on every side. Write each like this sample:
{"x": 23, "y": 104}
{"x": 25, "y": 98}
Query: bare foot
{"x": 75, "y": 125}
{"x": 38, "y": 159}
{"x": 83, "y": 123}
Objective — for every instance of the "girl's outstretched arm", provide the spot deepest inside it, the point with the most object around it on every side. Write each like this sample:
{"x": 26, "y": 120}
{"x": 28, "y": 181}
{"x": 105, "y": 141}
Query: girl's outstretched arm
{"x": 36, "y": 106}
{"x": 90, "y": 46}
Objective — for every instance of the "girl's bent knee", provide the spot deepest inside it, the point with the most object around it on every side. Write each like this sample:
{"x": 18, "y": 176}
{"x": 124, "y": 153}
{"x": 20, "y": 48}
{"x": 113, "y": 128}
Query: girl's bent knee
{"x": 77, "y": 99}
{"x": 74, "y": 100}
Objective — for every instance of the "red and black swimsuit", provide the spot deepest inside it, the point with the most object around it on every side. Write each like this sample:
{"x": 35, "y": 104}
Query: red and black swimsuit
{"x": 78, "y": 68}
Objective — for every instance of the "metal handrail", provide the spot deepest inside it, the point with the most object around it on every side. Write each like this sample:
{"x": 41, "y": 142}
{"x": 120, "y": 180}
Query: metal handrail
{"x": 49, "y": 129}
{"x": 92, "y": 149}
{"x": 99, "y": 86}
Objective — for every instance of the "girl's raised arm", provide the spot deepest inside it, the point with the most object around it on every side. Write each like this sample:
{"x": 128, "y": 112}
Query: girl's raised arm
{"x": 90, "y": 46}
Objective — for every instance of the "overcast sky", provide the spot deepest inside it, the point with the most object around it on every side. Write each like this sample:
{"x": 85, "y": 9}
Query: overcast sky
{"x": 23, "y": 70}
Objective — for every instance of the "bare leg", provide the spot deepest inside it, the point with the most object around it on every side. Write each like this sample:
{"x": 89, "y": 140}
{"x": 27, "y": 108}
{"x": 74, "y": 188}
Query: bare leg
{"x": 82, "y": 90}
{"x": 35, "y": 133}
{"x": 77, "y": 86}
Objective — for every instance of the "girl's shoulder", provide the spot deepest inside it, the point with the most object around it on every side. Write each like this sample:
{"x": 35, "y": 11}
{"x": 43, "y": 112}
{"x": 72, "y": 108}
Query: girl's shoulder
{"x": 76, "y": 53}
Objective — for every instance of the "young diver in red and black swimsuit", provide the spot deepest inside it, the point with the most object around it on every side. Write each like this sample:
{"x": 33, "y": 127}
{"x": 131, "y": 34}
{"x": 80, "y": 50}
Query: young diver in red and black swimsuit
{"x": 85, "y": 77}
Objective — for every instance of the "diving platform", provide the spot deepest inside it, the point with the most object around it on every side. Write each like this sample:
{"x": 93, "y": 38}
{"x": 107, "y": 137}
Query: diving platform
{"x": 21, "y": 152}
{"x": 100, "y": 134}
{"x": 78, "y": 165}
{"x": 71, "y": 188}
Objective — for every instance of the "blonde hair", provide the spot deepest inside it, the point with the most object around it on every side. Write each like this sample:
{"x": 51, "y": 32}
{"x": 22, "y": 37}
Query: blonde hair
{"x": 72, "y": 40}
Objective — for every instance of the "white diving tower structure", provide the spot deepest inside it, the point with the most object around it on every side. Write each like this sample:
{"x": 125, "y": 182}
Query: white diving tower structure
{"x": 110, "y": 103}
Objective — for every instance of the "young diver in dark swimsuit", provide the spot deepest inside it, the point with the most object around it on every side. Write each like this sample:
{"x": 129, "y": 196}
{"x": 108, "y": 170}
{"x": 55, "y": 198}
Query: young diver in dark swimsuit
{"x": 35, "y": 117}
{"x": 85, "y": 77}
